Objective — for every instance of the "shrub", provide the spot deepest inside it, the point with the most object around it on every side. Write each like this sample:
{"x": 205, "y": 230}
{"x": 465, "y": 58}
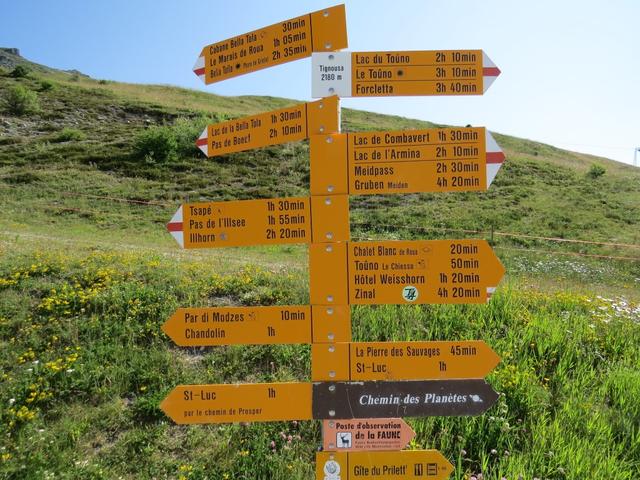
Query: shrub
{"x": 188, "y": 130}
{"x": 157, "y": 144}
{"x": 69, "y": 134}
{"x": 46, "y": 85}
{"x": 21, "y": 101}
{"x": 20, "y": 71}
{"x": 166, "y": 143}
{"x": 596, "y": 171}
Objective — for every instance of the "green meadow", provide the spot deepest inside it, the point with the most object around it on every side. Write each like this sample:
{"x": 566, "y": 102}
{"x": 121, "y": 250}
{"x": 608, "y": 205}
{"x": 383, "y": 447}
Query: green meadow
{"x": 93, "y": 170}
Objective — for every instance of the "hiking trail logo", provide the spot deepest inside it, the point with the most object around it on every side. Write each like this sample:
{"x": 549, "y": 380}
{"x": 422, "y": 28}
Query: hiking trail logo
{"x": 331, "y": 470}
{"x": 410, "y": 293}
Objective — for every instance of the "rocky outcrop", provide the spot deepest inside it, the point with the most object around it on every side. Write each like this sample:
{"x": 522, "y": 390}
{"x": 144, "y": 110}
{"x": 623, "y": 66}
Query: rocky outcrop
{"x": 10, "y": 57}
{"x": 12, "y": 51}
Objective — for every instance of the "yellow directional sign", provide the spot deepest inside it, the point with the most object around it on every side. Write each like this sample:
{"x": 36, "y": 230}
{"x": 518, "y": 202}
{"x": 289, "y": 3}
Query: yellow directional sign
{"x": 437, "y": 360}
{"x": 404, "y": 464}
{"x": 197, "y": 327}
{"x": 271, "y": 128}
{"x": 261, "y": 222}
{"x": 374, "y": 74}
{"x": 400, "y": 272}
{"x": 255, "y": 402}
{"x": 425, "y": 160}
{"x": 239, "y": 325}
{"x": 321, "y": 31}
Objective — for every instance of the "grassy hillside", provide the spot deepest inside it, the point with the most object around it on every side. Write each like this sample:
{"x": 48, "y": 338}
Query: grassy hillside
{"x": 88, "y": 274}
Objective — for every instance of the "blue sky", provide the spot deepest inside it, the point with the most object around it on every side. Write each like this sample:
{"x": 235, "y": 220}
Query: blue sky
{"x": 570, "y": 68}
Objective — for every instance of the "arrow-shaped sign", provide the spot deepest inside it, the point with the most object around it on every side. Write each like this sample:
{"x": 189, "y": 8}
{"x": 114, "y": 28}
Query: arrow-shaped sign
{"x": 402, "y": 399}
{"x": 210, "y": 326}
{"x": 401, "y": 272}
{"x": 252, "y": 402}
{"x": 426, "y": 160}
{"x": 366, "y": 434}
{"x": 261, "y": 222}
{"x": 382, "y": 74}
{"x": 401, "y": 360}
{"x": 406, "y": 464}
{"x": 271, "y": 128}
{"x": 321, "y": 31}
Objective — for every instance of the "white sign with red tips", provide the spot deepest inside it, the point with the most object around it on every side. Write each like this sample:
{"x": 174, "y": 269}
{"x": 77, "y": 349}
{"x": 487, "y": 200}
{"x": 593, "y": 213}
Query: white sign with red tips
{"x": 175, "y": 227}
{"x": 495, "y": 158}
{"x": 199, "y": 69}
{"x": 489, "y": 72}
{"x": 203, "y": 142}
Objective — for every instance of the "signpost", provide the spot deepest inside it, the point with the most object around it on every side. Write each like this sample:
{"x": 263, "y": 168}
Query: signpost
{"x": 199, "y": 327}
{"x": 384, "y": 74}
{"x": 400, "y": 272}
{"x": 321, "y": 31}
{"x": 426, "y": 160}
{"x": 366, "y": 434}
{"x": 402, "y": 360}
{"x": 271, "y": 128}
{"x": 359, "y": 389}
{"x": 332, "y": 400}
{"x": 261, "y": 222}
{"x": 428, "y": 464}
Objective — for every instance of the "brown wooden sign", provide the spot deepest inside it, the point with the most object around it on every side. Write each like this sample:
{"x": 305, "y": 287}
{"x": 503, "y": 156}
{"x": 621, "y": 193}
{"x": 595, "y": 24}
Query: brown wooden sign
{"x": 402, "y": 360}
{"x": 401, "y": 399}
